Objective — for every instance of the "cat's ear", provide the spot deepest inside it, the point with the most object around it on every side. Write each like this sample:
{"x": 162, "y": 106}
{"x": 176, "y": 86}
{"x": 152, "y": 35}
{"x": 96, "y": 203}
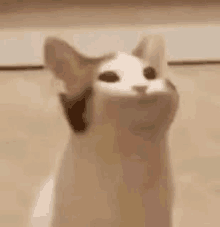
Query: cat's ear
{"x": 140, "y": 50}
{"x": 69, "y": 66}
{"x": 152, "y": 48}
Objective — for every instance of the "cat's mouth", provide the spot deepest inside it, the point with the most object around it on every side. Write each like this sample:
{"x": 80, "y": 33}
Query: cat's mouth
{"x": 141, "y": 104}
{"x": 144, "y": 102}
{"x": 141, "y": 129}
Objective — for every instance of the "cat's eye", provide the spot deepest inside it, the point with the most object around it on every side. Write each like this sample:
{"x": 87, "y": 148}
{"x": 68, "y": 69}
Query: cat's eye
{"x": 149, "y": 73}
{"x": 109, "y": 76}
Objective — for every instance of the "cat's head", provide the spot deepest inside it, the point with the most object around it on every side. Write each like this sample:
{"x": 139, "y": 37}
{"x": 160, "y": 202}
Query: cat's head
{"x": 129, "y": 91}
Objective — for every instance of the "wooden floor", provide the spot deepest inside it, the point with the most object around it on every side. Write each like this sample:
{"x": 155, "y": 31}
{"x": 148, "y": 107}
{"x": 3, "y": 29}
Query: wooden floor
{"x": 33, "y": 132}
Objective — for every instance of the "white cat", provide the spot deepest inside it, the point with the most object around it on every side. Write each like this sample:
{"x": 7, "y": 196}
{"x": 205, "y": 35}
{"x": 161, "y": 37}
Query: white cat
{"x": 116, "y": 169}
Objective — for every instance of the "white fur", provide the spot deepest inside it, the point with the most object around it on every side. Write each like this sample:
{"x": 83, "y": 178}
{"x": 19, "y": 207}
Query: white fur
{"x": 117, "y": 172}
{"x": 43, "y": 205}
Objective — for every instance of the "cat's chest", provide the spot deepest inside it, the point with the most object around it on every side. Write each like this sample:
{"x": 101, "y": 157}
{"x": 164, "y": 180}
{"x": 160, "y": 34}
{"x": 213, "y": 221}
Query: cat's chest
{"x": 101, "y": 177}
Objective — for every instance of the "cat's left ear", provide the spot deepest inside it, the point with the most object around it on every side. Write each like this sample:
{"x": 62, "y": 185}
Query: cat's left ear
{"x": 152, "y": 48}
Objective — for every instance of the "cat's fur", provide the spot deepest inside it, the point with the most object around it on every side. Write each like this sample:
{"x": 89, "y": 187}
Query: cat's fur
{"x": 116, "y": 168}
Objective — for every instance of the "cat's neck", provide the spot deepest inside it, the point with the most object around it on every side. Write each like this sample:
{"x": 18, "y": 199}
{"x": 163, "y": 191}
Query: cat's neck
{"x": 123, "y": 141}
{"x": 119, "y": 151}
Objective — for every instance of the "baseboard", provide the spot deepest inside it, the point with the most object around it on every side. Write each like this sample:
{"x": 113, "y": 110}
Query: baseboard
{"x": 170, "y": 63}
{"x": 201, "y": 62}
{"x": 21, "y": 68}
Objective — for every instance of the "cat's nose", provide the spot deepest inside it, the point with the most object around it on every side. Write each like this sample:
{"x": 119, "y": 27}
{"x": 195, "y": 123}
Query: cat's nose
{"x": 140, "y": 89}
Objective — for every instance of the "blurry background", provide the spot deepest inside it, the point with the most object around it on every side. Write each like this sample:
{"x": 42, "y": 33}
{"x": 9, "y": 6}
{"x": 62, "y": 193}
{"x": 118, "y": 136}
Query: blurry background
{"x": 191, "y": 29}
{"x": 33, "y": 130}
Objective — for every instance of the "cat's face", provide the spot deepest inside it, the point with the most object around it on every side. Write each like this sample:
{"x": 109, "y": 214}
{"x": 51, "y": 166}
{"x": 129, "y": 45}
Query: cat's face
{"x": 133, "y": 92}
{"x": 129, "y": 91}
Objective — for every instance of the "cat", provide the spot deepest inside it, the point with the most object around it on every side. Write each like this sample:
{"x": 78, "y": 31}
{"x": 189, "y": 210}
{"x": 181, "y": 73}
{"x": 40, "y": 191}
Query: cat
{"x": 116, "y": 170}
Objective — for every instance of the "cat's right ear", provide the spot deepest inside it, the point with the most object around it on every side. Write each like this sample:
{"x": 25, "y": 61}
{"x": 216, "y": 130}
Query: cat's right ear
{"x": 59, "y": 56}
{"x": 65, "y": 63}
{"x": 69, "y": 66}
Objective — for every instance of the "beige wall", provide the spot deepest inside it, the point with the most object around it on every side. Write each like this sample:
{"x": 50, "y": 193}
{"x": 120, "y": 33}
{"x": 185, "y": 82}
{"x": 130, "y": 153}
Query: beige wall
{"x": 192, "y": 31}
